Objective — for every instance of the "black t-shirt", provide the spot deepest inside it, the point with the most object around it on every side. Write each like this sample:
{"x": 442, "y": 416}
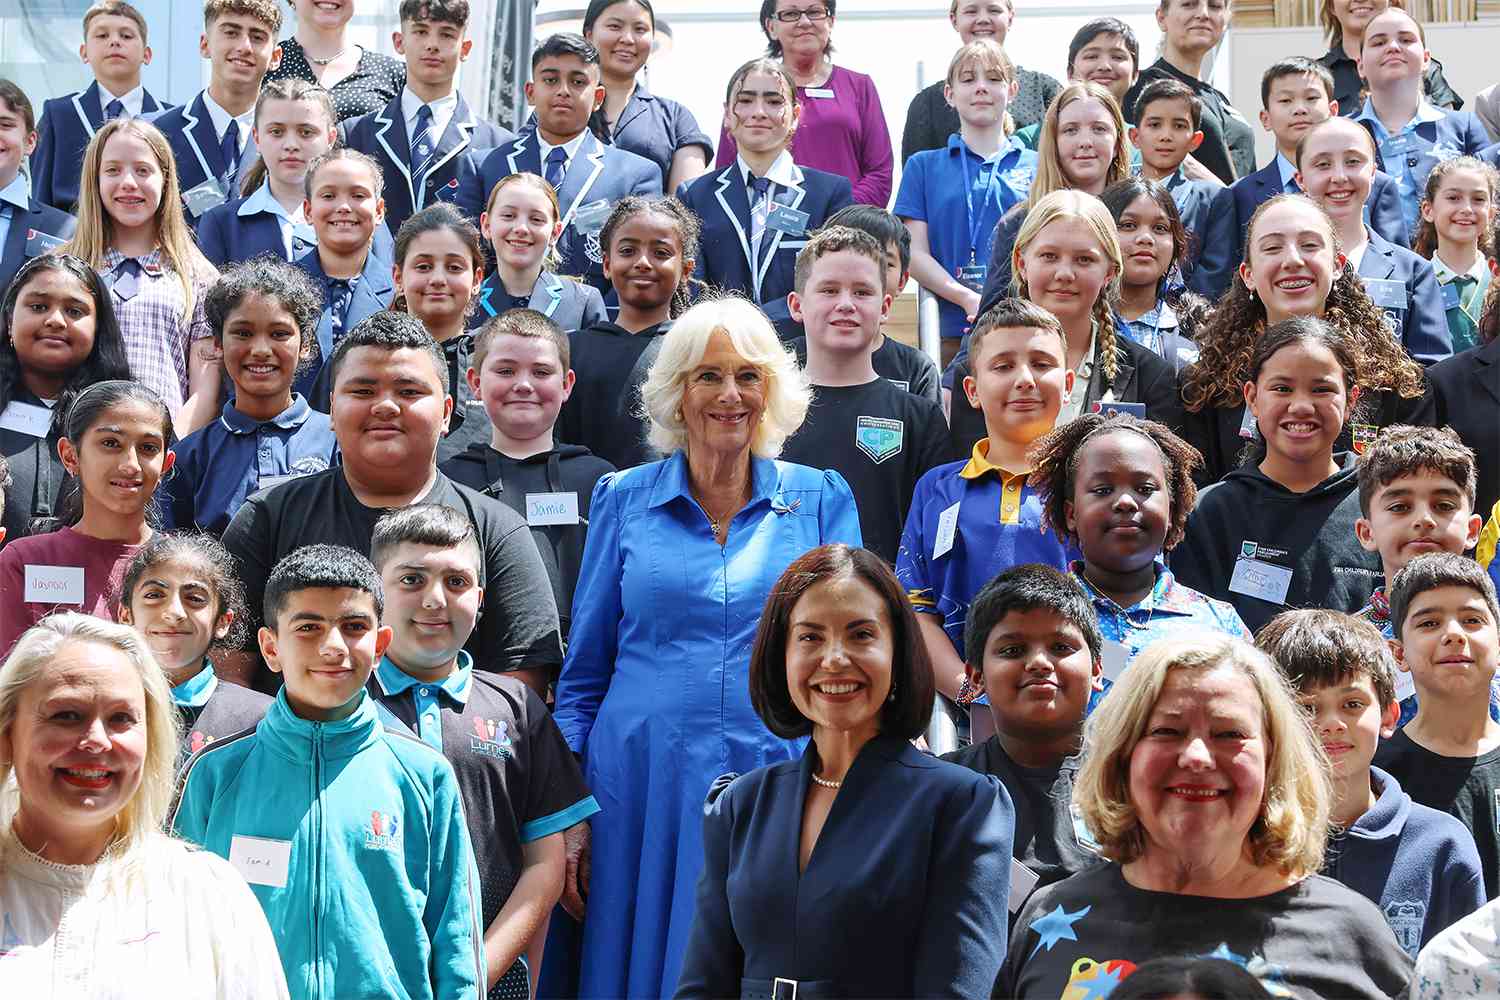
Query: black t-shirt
{"x": 469, "y": 423}
{"x": 230, "y": 709}
{"x": 1318, "y": 939}
{"x": 900, "y": 364}
{"x": 568, "y": 468}
{"x": 519, "y": 626}
{"x": 1465, "y": 787}
{"x": 610, "y": 364}
{"x": 882, "y": 440}
{"x": 1047, "y": 838}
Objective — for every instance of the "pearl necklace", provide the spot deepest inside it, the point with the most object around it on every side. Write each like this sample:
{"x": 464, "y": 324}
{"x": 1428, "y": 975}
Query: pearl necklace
{"x": 325, "y": 62}
{"x": 826, "y": 783}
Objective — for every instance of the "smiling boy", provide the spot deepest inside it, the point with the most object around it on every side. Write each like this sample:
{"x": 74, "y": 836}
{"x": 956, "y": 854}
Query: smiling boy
{"x": 28, "y": 226}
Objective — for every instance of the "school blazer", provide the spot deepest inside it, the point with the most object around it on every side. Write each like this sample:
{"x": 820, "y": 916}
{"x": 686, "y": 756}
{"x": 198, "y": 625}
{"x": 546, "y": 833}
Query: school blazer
{"x": 725, "y": 257}
{"x": 570, "y": 304}
{"x": 1423, "y": 324}
{"x": 227, "y": 237}
{"x": 195, "y": 146}
{"x": 597, "y": 173}
{"x": 67, "y": 125}
{"x": 1229, "y": 217}
{"x": 372, "y": 293}
{"x": 1457, "y": 133}
{"x": 33, "y": 232}
{"x": 382, "y": 134}
{"x": 1466, "y": 395}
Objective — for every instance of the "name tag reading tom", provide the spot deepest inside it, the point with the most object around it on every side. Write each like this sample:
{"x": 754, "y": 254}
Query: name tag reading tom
{"x": 260, "y": 860}
{"x": 54, "y": 585}
{"x": 1387, "y": 293}
{"x": 544, "y": 509}
{"x": 26, "y": 418}
{"x": 1260, "y": 579}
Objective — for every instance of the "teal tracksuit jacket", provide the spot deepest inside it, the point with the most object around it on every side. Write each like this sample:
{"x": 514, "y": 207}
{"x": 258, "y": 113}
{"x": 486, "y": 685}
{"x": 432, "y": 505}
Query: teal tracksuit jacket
{"x": 378, "y": 896}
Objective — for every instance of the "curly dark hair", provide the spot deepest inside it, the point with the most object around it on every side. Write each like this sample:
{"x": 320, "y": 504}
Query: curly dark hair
{"x": 1425, "y": 243}
{"x": 689, "y": 228}
{"x": 1191, "y": 309}
{"x": 1055, "y": 459}
{"x": 207, "y": 554}
{"x": 1489, "y": 314}
{"x": 1226, "y": 340}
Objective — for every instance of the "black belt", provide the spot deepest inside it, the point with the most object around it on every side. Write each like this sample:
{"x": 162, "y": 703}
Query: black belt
{"x": 786, "y": 989}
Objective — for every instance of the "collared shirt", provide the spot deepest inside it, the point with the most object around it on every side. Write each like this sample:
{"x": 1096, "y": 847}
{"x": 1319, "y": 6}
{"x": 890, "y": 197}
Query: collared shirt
{"x": 158, "y": 332}
{"x": 427, "y": 695}
{"x": 442, "y": 112}
{"x": 262, "y": 201}
{"x": 1356, "y": 254}
{"x": 1073, "y": 405}
{"x": 1396, "y": 153}
{"x": 132, "y": 100}
{"x": 570, "y": 147}
{"x": 220, "y": 465}
{"x": 197, "y": 689}
{"x": 782, "y": 172}
{"x": 1463, "y": 304}
{"x": 221, "y": 119}
{"x": 1288, "y": 174}
{"x": 14, "y": 197}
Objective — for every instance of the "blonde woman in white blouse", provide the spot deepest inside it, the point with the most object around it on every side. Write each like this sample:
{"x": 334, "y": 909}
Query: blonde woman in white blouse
{"x": 95, "y": 901}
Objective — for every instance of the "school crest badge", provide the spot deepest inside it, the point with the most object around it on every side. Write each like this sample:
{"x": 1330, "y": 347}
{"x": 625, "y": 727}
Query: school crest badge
{"x": 879, "y": 437}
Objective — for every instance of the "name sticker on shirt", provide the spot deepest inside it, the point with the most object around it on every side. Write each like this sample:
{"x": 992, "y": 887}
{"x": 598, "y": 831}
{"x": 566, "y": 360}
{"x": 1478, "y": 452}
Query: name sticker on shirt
{"x": 822, "y": 93}
{"x": 1115, "y": 656}
{"x": 260, "y": 860}
{"x": 26, "y": 418}
{"x": 1450, "y": 296}
{"x": 1406, "y": 685}
{"x": 590, "y": 218}
{"x": 543, "y": 509}
{"x": 1257, "y": 578}
{"x": 1387, "y": 293}
{"x": 947, "y": 530}
{"x": 786, "y": 219}
{"x": 54, "y": 584}
{"x": 38, "y": 242}
{"x": 1248, "y": 430}
{"x": 1022, "y": 881}
{"x": 203, "y": 197}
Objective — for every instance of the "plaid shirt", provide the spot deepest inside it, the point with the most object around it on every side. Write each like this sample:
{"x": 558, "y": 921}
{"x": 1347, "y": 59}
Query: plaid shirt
{"x": 157, "y": 334}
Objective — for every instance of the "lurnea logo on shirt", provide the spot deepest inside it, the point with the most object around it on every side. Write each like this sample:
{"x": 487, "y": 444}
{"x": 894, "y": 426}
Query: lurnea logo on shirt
{"x": 383, "y": 833}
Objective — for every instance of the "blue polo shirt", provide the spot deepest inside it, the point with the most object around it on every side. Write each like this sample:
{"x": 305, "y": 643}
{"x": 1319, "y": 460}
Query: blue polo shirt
{"x": 933, "y": 191}
{"x": 999, "y": 524}
{"x": 220, "y": 465}
{"x": 1402, "y": 149}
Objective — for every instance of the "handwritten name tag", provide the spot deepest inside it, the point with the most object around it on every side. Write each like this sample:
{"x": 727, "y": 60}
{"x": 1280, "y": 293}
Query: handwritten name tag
{"x": 54, "y": 584}
{"x": 947, "y": 528}
{"x": 1260, "y": 579}
{"x": 261, "y": 861}
{"x": 543, "y": 509}
{"x": 27, "y": 418}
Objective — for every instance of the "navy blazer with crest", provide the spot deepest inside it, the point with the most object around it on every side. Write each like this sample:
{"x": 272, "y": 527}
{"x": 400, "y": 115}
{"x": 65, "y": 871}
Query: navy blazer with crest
{"x": 725, "y": 259}
{"x": 382, "y": 135}
{"x": 597, "y": 173}
{"x": 371, "y": 293}
{"x": 33, "y": 232}
{"x": 1466, "y": 396}
{"x": 1229, "y": 216}
{"x": 227, "y": 237}
{"x": 67, "y": 125}
{"x": 195, "y": 146}
{"x": 1422, "y": 326}
{"x": 1456, "y": 133}
{"x": 570, "y": 304}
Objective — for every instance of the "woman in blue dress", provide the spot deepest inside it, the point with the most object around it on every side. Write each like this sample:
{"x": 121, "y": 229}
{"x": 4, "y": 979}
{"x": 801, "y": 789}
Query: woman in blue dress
{"x": 654, "y": 692}
{"x": 867, "y": 868}
{"x": 663, "y": 131}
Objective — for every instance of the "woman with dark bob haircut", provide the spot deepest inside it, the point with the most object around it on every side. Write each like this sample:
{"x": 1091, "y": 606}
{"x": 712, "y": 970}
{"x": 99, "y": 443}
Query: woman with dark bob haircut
{"x": 908, "y": 893}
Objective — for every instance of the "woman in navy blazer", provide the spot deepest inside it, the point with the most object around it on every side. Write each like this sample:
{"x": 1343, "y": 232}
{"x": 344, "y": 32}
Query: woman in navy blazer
{"x": 867, "y": 868}
{"x": 761, "y": 111}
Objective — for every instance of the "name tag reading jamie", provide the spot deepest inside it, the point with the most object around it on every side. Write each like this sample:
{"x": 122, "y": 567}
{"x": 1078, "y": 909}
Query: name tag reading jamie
{"x": 54, "y": 585}
{"x": 27, "y": 418}
{"x": 260, "y": 860}
{"x": 543, "y": 509}
{"x": 1260, "y": 579}
{"x": 947, "y": 528}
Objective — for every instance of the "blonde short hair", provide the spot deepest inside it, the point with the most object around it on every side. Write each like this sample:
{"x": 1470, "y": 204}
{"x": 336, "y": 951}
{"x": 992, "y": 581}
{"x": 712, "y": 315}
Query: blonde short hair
{"x": 1292, "y": 828}
{"x": 788, "y": 393}
{"x": 140, "y": 822}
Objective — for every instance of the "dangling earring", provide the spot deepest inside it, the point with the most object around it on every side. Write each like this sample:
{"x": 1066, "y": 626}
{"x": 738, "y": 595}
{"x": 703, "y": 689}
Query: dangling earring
{"x": 890, "y": 699}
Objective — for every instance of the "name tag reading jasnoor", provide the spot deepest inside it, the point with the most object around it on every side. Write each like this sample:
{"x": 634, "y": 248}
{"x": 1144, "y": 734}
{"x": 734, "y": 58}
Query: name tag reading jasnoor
{"x": 54, "y": 585}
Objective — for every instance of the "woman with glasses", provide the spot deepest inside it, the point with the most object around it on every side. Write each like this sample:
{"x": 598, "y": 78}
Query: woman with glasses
{"x": 842, "y": 128}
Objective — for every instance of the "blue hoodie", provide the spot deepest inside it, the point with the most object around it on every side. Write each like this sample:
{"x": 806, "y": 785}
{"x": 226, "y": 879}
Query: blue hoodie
{"x": 377, "y": 897}
{"x": 1420, "y": 866}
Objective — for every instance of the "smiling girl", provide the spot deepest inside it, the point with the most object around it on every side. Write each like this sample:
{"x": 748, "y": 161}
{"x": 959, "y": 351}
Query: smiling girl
{"x": 58, "y": 334}
{"x": 1279, "y": 533}
{"x": 1458, "y": 210}
{"x": 131, "y": 229}
{"x": 522, "y": 221}
{"x": 116, "y": 445}
{"x": 1294, "y": 266}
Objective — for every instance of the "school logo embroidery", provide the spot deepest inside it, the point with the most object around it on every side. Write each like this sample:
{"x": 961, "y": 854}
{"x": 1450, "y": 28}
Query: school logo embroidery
{"x": 307, "y": 466}
{"x": 198, "y": 740}
{"x": 1406, "y": 917}
{"x": 1247, "y": 550}
{"x": 383, "y": 833}
{"x": 878, "y": 437}
{"x": 491, "y": 739}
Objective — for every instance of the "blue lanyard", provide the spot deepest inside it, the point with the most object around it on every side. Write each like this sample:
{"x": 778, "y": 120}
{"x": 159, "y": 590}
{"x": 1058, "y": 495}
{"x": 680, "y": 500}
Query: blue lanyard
{"x": 976, "y": 224}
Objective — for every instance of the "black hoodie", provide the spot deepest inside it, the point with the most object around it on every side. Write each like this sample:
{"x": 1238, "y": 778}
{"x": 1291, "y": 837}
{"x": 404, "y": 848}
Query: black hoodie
{"x": 567, "y": 468}
{"x": 1250, "y": 515}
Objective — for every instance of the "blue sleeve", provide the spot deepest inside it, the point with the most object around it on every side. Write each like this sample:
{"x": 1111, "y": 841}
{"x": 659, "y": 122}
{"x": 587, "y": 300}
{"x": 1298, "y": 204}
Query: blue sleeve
{"x": 649, "y": 182}
{"x": 1221, "y": 248}
{"x": 842, "y": 197}
{"x": 687, "y": 133}
{"x": 714, "y": 962}
{"x": 593, "y": 307}
{"x": 911, "y": 196}
{"x": 961, "y": 942}
{"x": 211, "y": 235}
{"x": 1462, "y": 886}
{"x": 44, "y": 161}
{"x": 451, "y": 916}
{"x": 911, "y": 558}
{"x": 838, "y": 517}
{"x": 1384, "y": 211}
{"x": 471, "y": 187}
{"x": 1426, "y": 335}
{"x": 594, "y": 637}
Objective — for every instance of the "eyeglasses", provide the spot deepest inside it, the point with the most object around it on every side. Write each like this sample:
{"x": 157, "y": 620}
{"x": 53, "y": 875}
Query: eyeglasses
{"x": 793, "y": 16}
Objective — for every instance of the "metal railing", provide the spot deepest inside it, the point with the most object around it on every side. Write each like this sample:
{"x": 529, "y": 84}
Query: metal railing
{"x": 929, "y": 332}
